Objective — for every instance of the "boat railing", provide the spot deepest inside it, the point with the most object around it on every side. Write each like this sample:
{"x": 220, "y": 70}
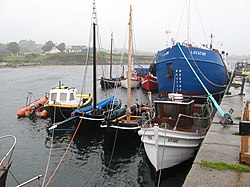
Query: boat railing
{"x": 198, "y": 122}
{"x": 9, "y": 154}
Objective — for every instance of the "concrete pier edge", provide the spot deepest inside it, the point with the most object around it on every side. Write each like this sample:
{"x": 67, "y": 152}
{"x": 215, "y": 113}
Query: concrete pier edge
{"x": 221, "y": 145}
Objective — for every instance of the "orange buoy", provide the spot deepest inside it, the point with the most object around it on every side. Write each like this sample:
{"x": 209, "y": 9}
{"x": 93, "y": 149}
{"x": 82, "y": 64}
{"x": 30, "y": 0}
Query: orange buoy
{"x": 44, "y": 114}
{"x": 21, "y": 113}
{"x": 25, "y": 112}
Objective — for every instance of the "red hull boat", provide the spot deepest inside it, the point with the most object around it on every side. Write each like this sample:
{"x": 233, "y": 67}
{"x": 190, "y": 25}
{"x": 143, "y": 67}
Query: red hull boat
{"x": 149, "y": 82}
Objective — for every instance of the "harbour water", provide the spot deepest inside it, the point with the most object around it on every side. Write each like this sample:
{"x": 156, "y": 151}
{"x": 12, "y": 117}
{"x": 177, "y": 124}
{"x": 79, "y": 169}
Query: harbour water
{"x": 88, "y": 161}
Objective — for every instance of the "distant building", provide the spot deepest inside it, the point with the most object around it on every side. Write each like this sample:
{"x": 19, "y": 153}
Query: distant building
{"x": 54, "y": 50}
{"x": 77, "y": 49}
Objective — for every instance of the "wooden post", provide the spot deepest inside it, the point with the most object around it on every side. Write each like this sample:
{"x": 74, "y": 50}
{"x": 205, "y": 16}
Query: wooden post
{"x": 245, "y": 149}
{"x": 245, "y": 139}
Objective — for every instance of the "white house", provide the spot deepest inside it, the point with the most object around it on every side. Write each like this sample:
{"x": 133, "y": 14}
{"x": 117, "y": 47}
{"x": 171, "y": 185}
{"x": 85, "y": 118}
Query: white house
{"x": 54, "y": 50}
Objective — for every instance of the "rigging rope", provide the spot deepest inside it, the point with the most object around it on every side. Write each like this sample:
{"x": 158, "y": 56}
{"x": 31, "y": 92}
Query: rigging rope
{"x": 60, "y": 162}
{"x": 180, "y": 20}
{"x": 201, "y": 21}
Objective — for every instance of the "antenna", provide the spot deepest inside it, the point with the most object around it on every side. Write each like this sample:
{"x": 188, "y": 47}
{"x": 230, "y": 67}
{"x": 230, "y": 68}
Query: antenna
{"x": 211, "y": 43}
{"x": 94, "y": 13}
{"x": 168, "y": 32}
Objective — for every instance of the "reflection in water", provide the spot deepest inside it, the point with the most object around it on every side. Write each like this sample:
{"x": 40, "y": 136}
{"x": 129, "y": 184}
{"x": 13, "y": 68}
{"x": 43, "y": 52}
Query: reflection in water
{"x": 87, "y": 163}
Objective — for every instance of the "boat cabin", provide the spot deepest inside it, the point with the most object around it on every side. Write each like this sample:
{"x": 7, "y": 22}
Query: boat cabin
{"x": 63, "y": 95}
{"x": 168, "y": 110}
{"x": 134, "y": 75}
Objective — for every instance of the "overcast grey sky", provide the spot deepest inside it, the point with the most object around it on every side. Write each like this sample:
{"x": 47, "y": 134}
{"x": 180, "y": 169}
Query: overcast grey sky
{"x": 69, "y": 21}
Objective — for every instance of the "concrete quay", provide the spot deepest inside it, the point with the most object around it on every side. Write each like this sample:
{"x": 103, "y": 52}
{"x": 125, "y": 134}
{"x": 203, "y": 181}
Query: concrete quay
{"x": 220, "y": 145}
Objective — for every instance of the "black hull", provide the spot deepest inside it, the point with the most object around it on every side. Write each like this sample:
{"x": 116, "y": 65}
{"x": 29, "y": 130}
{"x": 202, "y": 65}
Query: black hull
{"x": 89, "y": 122}
{"x": 121, "y": 134}
{"x": 110, "y": 83}
{"x": 57, "y": 114}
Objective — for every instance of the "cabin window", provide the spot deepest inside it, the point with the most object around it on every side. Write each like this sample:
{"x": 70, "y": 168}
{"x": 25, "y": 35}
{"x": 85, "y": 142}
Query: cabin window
{"x": 71, "y": 97}
{"x": 183, "y": 110}
{"x": 63, "y": 97}
{"x": 169, "y": 111}
{"x": 53, "y": 96}
{"x": 158, "y": 111}
{"x": 169, "y": 70}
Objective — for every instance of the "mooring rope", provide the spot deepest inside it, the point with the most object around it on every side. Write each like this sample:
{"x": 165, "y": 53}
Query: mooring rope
{"x": 50, "y": 152}
{"x": 12, "y": 176}
{"x": 159, "y": 178}
{"x": 62, "y": 113}
{"x": 54, "y": 117}
{"x": 60, "y": 162}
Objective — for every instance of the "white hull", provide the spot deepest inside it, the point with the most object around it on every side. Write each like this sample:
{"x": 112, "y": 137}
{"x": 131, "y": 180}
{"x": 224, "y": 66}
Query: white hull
{"x": 166, "y": 148}
{"x": 134, "y": 83}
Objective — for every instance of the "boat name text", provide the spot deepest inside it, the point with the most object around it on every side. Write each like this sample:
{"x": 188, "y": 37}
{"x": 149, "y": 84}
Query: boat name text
{"x": 201, "y": 53}
{"x": 172, "y": 140}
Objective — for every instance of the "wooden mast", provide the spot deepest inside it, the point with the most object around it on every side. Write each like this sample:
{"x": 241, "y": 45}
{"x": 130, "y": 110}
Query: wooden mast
{"x": 129, "y": 62}
{"x": 94, "y": 57}
{"x": 111, "y": 55}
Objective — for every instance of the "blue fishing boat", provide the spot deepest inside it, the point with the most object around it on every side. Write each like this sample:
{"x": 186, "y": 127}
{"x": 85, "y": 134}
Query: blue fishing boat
{"x": 175, "y": 74}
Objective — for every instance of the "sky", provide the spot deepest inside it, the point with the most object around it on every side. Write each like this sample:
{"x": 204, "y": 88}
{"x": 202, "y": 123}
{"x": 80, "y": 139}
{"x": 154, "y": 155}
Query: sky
{"x": 155, "y": 22}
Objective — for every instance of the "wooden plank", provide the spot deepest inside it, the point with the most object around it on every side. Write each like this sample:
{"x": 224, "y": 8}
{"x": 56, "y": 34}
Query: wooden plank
{"x": 245, "y": 149}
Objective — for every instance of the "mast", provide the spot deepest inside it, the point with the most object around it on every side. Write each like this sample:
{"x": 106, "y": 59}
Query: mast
{"x": 94, "y": 57}
{"x": 111, "y": 55}
{"x": 188, "y": 22}
{"x": 129, "y": 62}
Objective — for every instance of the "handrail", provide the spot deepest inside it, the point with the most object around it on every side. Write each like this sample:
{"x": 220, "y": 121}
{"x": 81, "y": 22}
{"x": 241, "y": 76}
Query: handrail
{"x": 191, "y": 117}
{"x": 11, "y": 149}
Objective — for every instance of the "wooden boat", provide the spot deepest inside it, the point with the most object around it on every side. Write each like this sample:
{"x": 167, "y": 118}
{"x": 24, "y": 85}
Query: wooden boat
{"x": 149, "y": 82}
{"x": 176, "y": 131}
{"x": 124, "y": 129}
{"x": 33, "y": 109}
{"x": 135, "y": 80}
{"x": 63, "y": 100}
{"x": 107, "y": 83}
{"x": 6, "y": 161}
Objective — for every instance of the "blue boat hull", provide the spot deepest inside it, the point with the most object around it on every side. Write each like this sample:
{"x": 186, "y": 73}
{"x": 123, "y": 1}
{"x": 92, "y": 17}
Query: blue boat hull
{"x": 175, "y": 75}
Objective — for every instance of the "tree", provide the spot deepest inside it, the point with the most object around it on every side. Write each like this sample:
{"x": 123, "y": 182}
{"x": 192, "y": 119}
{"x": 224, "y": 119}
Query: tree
{"x": 13, "y": 47}
{"x": 4, "y": 50}
{"x": 29, "y": 46}
{"x": 48, "y": 46}
{"x": 61, "y": 47}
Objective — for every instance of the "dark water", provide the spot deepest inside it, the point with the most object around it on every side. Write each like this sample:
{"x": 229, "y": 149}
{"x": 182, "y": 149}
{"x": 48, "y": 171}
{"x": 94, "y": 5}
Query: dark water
{"x": 87, "y": 163}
